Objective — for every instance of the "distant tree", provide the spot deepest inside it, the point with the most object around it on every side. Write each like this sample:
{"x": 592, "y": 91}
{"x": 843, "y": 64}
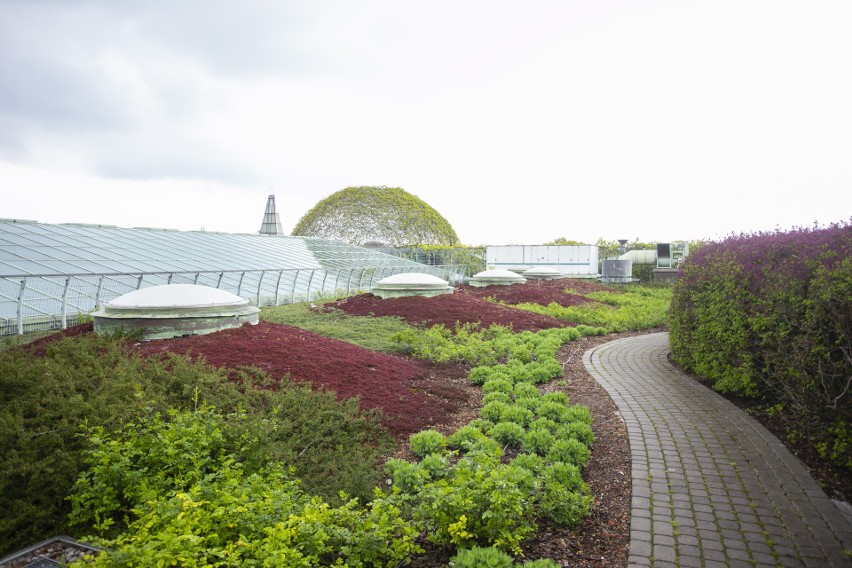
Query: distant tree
{"x": 388, "y": 215}
{"x": 609, "y": 249}
{"x": 562, "y": 241}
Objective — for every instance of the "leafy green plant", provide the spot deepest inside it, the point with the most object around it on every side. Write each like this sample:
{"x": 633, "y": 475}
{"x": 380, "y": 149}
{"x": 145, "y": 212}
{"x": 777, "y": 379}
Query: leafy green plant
{"x": 197, "y": 505}
{"x": 565, "y": 499}
{"x": 471, "y": 439}
{"x": 577, "y": 430}
{"x": 481, "y": 501}
{"x": 427, "y": 442}
{"x": 570, "y": 451}
{"x": 637, "y": 307}
{"x": 507, "y": 433}
{"x": 406, "y": 475}
{"x": 526, "y": 390}
{"x": 496, "y": 396}
{"x": 538, "y": 441}
{"x": 436, "y": 465}
{"x": 504, "y": 385}
{"x": 480, "y": 557}
{"x": 47, "y": 390}
{"x": 518, "y": 413}
{"x": 532, "y": 462}
{"x": 766, "y": 316}
{"x": 494, "y": 410}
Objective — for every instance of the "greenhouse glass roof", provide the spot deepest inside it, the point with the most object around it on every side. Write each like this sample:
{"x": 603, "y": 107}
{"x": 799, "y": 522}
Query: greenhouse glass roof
{"x": 51, "y": 271}
{"x": 28, "y": 249}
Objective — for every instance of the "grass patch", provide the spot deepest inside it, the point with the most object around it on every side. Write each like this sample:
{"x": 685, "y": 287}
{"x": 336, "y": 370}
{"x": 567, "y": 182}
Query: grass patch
{"x": 637, "y": 307}
{"x": 375, "y": 333}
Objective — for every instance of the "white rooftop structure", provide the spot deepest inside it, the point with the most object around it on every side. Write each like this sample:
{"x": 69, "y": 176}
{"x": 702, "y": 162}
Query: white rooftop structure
{"x": 573, "y": 261}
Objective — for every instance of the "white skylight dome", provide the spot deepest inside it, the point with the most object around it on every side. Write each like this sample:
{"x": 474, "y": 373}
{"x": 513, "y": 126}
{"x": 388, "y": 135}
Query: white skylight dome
{"x": 520, "y": 269}
{"x": 176, "y": 295}
{"x": 542, "y": 273}
{"x": 496, "y": 277}
{"x": 411, "y": 284}
{"x": 175, "y": 310}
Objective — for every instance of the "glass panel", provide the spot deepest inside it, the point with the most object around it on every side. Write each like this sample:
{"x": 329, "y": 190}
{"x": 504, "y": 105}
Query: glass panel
{"x": 18, "y": 267}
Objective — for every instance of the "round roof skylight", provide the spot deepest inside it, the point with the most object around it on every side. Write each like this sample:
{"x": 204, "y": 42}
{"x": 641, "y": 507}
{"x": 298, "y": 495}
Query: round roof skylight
{"x": 175, "y": 310}
{"x": 177, "y": 296}
{"x": 542, "y": 273}
{"x": 412, "y": 279}
{"x": 411, "y": 284}
{"x": 519, "y": 268}
{"x": 491, "y": 277}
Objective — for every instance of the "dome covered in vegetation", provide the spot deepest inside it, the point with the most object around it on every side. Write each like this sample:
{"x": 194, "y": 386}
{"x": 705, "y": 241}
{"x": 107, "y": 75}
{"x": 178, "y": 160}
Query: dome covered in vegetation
{"x": 358, "y": 215}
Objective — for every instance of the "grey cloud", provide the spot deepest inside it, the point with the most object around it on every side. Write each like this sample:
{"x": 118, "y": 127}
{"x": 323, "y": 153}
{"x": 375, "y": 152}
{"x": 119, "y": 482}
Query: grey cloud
{"x": 148, "y": 157}
{"x": 41, "y": 86}
{"x": 54, "y": 81}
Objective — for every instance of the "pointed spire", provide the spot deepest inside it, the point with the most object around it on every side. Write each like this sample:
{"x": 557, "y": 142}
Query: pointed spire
{"x": 271, "y": 220}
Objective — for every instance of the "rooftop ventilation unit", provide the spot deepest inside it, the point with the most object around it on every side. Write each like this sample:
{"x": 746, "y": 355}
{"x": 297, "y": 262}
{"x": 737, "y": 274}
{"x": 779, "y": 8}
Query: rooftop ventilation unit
{"x": 617, "y": 271}
{"x": 496, "y": 277}
{"x": 175, "y": 310}
{"x": 411, "y": 284}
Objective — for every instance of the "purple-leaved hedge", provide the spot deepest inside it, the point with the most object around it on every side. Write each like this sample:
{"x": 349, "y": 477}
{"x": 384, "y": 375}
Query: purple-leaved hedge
{"x": 769, "y": 316}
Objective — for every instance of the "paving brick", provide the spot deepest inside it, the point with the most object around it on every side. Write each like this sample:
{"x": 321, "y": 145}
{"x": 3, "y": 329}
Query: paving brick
{"x": 690, "y": 562}
{"x": 664, "y": 553}
{"x": 737, "y": 557}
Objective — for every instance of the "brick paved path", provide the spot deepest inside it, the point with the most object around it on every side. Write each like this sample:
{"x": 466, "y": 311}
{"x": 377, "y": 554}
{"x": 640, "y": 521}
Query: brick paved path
{"x": 711, "y": 486}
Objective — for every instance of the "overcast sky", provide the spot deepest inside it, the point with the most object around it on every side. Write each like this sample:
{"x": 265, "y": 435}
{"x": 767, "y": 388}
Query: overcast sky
{"x": 519, "y": 122}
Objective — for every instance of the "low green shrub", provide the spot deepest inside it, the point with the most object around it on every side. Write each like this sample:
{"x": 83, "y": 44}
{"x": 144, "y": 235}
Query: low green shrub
{"x": 494, "y": 410}
{"x": 480, "y": 557}
{"x": 538, "y": 441}
{"x": 508, "y": 433}
{"x": 496, "y": 396}
{"x": 570, "y": 451}
{"x": 504, "y": 385}
{"x": 578, "y": 431}
{"x": 565, "y": 499}
{"x": 518, "y": 413}
{"x": 188, "y": 501}
{"x": 95, "y": 380}
{"x": 427, "y": 442}
{"x": 405, "y": 475}
{"x": 471, "y": 439}
{"x": 436, "y": 465}
{"x": 767, "y": 316}
{"x": 481, "y": 501}
{"x": 637, "y": 307}
{"x": 526, "y": 390}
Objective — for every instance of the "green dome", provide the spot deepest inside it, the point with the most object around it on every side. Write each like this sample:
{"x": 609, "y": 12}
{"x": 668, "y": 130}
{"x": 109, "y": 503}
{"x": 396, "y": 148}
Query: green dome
{"x": 389, "y": 215}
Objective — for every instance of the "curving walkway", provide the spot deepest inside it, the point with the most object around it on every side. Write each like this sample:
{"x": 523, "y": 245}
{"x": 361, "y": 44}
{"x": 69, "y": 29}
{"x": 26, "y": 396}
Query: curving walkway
{"x": 711, "y": 486}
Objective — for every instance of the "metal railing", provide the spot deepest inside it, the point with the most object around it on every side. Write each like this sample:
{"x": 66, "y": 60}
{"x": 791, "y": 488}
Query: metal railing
{"x": 46, "y": 302}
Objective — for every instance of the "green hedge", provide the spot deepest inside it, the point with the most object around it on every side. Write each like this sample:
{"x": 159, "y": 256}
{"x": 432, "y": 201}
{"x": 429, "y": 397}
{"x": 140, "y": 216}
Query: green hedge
{"x": 769, "y": 316}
